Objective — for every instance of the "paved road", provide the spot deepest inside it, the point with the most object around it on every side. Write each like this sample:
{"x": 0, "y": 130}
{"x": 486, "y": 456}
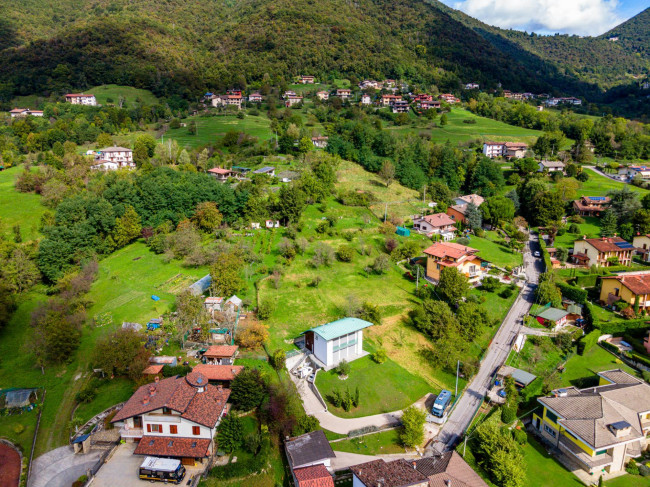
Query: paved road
{"x": 61, "y": 467}
{"x": 500, "y": 346}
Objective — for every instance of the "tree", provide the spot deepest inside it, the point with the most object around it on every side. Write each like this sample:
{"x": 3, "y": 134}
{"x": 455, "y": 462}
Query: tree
{"x": 545, "y": 207}
{"x": 121, "y": 353}
{"x": 323, "y": 255}
{"x": 143, "y": 149}
{"x": 443, "y": 120}
{"x": 226, "y": 274}
{"x": 291, "y": 202}
{"x": 304, "y": 146}
{"x": 498, "y": 208}
{"x": 265, "y": 309}
{"x": 207, "y": 216}
{"x": 624, "y": 205}
{"x": 526, "y": 165}
{"x": 230, "y": 434}
{"x": 190, "y": 313}
{"x": 248, "y": 389}
{"x": 452, "y": 285}
{"x": 127, "y": 227}
{"x": 253, "y": 335}
{"x": 345, "y": 253}
{"x": 472, "y": 319}
{"x": 279, "y": 359}
{"x": 104, "y": 140}
{"x": 547, "y": 291}
{"x": 567, "y": 188}
{"x": 381, "y": 264}
{"x": 412, "y": 433}
{"x": 434, "y": 318}
{"x": 487, "y": 178}
{"x": 387, "y": 172}
{"x": 20, "y": 272}
{"x": 609, "y": 224}
{"x": 473, "y": 217}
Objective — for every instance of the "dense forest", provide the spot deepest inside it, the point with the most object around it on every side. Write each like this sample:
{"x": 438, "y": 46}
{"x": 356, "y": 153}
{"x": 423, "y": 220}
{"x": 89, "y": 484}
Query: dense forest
{"x": 74, "y": 45}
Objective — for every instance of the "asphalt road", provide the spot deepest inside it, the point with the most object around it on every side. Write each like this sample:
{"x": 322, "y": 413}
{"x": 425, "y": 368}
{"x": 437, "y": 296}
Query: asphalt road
{"x": 461, "y": 416}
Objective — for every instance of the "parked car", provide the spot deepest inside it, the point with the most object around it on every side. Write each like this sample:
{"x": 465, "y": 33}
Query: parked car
{"x": 312, "y": 378}
{"x": 536, "y": 253}
{"x": 502, "y": 393}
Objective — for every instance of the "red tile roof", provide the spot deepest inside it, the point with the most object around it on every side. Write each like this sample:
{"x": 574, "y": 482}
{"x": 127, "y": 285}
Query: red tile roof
{"x": 452, "y": 250}
{"x": 221, "y": 351}
{"x": 398, "y": 473}
{"x": 178, "y": 394}
{"x": 219, "y": 372}
{"x": 637, "y": 283}
{"x": 439, "y": 220}
{"x": 219, "y": 170}
{"x": 606, "y": 244}
{"x": 153, "y": 369}
{"x": 77, "y": 94}
{"x": 315, "y": 476}
{"x": 171, "y": 446}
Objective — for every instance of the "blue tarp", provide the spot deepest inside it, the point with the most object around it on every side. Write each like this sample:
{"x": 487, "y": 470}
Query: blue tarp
{"x": 155, "y": 298}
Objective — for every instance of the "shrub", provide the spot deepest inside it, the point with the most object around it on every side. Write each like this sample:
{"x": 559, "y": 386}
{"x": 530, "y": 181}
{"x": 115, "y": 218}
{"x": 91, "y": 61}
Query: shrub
{"x": 508, "y": 414}
{"x": 379, "y": 356}
{"x": 343, "y": 368}
{"x": 632, "y": 467}
{"x": 490, "y": 284}
{"x": 462, "y": 241}
{"x": 278, "y": 359}
{"x": 520, "y": 436}
{"x": 265, "y": 309}
{"x": 644, "y": 470}
{"x": 345, "y": 253}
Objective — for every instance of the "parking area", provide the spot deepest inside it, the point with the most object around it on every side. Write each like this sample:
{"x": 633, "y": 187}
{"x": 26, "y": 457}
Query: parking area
{"x": 123, "y": 467}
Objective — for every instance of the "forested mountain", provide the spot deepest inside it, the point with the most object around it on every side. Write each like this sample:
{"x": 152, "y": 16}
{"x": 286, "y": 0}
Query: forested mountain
{"x": 633, "y": 35}
{"x": 186, "y": 46}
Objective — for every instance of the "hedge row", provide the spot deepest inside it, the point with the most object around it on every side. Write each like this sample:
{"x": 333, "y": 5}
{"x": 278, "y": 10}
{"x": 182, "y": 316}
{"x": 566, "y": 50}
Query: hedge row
{"x": 589, "y": 280}
{"x": 619, "y": 327}
{"x": 573, "y": 293}
{"x": 545, "y": 255}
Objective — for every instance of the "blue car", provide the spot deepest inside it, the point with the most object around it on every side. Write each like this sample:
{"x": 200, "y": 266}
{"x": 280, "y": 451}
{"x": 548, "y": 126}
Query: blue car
{"x": 502, "y": 393}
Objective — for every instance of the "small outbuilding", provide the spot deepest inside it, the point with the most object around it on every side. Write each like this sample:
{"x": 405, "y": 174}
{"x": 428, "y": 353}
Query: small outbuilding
{"x": 553, "y": 317}
{"x": 333, "y": 342}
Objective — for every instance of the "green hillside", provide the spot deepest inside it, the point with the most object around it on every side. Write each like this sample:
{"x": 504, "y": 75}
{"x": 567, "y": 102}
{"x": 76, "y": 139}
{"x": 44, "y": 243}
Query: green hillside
{"x": 107, "y": 94}
{"x": 633, "y": 35}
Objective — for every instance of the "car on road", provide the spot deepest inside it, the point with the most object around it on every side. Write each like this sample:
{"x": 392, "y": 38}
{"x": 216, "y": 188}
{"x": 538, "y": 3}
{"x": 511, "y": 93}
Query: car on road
{"x": 536, "y": 253}
{"x": 312, "y": 377}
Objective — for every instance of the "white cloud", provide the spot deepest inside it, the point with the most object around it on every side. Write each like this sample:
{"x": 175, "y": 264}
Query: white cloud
{"x": 582, "y": 17}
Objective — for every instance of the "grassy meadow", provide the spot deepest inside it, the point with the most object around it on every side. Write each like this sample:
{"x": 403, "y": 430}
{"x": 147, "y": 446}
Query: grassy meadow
{"x": 383, "y": 443}
{"x": 22, "y": 209}
{"x": 132, "y": 96}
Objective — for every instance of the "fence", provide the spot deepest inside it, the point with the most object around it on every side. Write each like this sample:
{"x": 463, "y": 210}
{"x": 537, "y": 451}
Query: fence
{"x": 38, "y": 423}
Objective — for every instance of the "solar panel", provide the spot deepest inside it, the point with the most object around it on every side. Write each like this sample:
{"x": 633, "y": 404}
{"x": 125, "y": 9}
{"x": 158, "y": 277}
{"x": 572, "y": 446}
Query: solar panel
{"x": 597, "y": 198}
{"x": 624, "y": 245}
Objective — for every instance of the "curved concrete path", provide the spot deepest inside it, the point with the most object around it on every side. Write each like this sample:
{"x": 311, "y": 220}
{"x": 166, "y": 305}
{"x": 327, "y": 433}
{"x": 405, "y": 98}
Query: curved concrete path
{"x": 343, "y": 426}
{"x": 61, "y": 467}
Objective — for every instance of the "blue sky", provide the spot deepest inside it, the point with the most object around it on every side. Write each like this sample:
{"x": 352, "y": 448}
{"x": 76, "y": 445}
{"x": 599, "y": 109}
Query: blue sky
{"x": 581, "y": 17}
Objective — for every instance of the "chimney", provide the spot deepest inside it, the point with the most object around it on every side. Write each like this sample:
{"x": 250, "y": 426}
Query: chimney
{"x": 448, "y": 482}
{"x": 152, "y": 390}
{"x": 157, "y": 379}
{"x": 414, "y": 465}
{"x": 145, "y": 400}
{"x": 219, "y": 387}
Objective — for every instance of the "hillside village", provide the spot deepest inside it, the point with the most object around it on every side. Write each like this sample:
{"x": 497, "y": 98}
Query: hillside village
{"x": 324, "y": 283}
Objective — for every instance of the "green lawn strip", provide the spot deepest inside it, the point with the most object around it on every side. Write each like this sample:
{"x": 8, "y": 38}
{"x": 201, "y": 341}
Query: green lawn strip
{"x": 628, "y": 481}
{"x": 330, "y": 435}
{"x": 590, "y": 228}
{"x": 24, "y": 209}
{"x": 582, "y": 368}
{"x": 382, "y": 443}
{"x": 19, "y": 428}
{"x": 382, "y": 387}
{"x": 598, "y": 185}
{"x": 209, "y": 129}
{"x": 110, "y": 392}
{"x": 129, "y": 94}
{"x": 542, "y": 470}
{"x": 492, "y": 248}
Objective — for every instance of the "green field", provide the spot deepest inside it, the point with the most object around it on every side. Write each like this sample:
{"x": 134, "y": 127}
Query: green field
{"x": 24, "y": 209}
{"x": 598, "y": 185}
{"x": 492, "y": 248}
{"x": 383, "y": 443}
{"x": 456, "y": 131}
{"x": 130, "y": 95}
{"x": 209, "y": 129}
{"x": 590, "y": 228}
{"x": 109, "y": 393}
{"x": 383, "y": 387}
{"x": 581, "y": 368}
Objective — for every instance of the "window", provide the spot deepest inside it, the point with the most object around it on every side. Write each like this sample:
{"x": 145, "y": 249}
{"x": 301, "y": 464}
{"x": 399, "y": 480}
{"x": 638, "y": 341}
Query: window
{"x": 166, "y": 410}
{"x": 154, "y": 428}
{"x": 173, "y": 429}
{"x": 196, "y": 430}
{"x": 550, "y": 430}
{"x": 550, "y": 416}
{"x": 601, "y": 452}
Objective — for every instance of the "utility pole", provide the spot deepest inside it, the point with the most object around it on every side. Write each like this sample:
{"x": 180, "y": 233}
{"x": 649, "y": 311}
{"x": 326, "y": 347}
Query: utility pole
{"x": 417, "y": 279}
{"x": 385, "y": 212}
{"x": 457, "y": 369}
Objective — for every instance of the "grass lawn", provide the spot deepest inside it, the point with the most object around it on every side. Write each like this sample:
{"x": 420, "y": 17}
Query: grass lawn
{"x": 26, "y": 209}
{"x": 536, "y": 358}
{"x": 492, "y": 248}
{"x": 19, "y": 428}
{"x": 383, "y": 387}
{"x": 104, "y": 92}
{"x": 542, "y": 470}
{"x": 382, "y": 443}
{"x": 108, "y": 394}
{"x": 628, "y": 481}
{"x": 581, "y": 369}
{"x": 590, "y": 228}
{"x": 456, "y": 131}
{"x": 212, "y": 128}
{"x": 598, "y": 185}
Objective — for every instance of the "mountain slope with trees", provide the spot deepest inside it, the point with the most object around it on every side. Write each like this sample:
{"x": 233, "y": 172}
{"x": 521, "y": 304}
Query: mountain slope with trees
{"x": 633, "y": 35}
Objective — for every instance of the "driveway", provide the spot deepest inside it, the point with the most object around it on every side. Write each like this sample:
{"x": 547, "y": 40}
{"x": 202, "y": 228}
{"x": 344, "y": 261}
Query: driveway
{"x": 500, "y": 347}
{"x": 61, "y": 467}
{"x": 123, "y": 467}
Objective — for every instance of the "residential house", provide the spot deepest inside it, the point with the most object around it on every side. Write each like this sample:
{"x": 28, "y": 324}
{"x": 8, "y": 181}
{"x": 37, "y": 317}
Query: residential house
{"x": 323, "y": 95}
{"x": 367, "y": 83}
{"x": 472, "y": 86}
{"x": 344, "y": 94}
{"x": 335, "y": 341}
{"x": 25, "y": 112}
{"x": 308, "y": 450}
{"x": 510, "y": 150}
{"x": 222, "y": 175}
{"x": 642, "y": 246}
{"x": 591, "y": 205}
{"x": 255, "y": 97}
{"x": 81, "y": 99}
{"x": 458, "y": 211}
{"x": 272, "y": 224}
{"x": 163, "y": 360}
{"x": 366, "y": 99}
{"x": 449, "y": 254}
{"x": 630, "y": 287}
{"x": 428, "y": 104}
{"x": 599, "y": 251}
{"x": 551, "y": 166}
{"x": 154, "y": 370}
{"x": 598, "y": 428}
{"x": 422, "y": 97}
{"x": 448, "y": 470}
{"x": 320, "y": 142}
{"x": 213, "y": 303}
{"x": 475, "y": 199}
{"x": 113, "y": 158}
{"x": 307, "y": 80}
{"x": 493, "y": 149}
{"x": 268, "y": 170}
{"x": 388, "y": 100}
{"x": 449, "y": 98}
{"x": 631, "y": 172}
{"x": 219, "y": 374}
{"x": 231, "y": 99}
{"x": 438, "y": 223}
{"x": 553, "y": 318}
{"x": 388, "y": 83}
{"x": 220, "y": 355}
{"x": 397, "y": 473}
{"x": 292, "y": 100}
{"x": 400, "y": 106}
{"x": 314, "y": 476}
{"x": 175, "y": 417}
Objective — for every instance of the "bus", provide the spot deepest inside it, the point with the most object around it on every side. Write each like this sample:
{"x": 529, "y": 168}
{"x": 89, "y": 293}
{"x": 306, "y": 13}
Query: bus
{"x": 442, "y": 401}
{"x": 166, "y": 470}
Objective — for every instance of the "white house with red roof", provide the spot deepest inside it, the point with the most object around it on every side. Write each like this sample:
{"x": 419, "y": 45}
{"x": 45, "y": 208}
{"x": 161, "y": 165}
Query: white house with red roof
{"x": 233, "y": 98}
{"x": 25, "y": 112}
{"x": 113, "y": 158}
{"x": 438, "y": 223}
{"x": 221, "y": 174}
{"x": 81, "y": 99}
{"x": 175, "y": 417}
{"x": 449, "y": 254}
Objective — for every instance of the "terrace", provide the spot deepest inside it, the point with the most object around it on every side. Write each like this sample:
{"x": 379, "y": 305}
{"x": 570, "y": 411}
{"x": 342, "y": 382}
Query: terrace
{"x": 566, "y": 445}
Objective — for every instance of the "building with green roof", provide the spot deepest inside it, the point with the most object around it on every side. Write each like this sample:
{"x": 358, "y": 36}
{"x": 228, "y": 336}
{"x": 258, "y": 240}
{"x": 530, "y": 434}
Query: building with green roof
{"x": 335, "y": 341}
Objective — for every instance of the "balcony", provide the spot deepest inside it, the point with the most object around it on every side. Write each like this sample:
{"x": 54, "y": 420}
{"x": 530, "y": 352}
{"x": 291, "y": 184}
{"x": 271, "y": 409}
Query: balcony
{"x": 131, "y": 432}
{"x": 567, "y": 446}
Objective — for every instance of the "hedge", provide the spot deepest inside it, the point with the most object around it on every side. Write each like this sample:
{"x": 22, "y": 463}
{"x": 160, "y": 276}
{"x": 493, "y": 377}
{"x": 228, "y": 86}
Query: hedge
{"x": 545, "y": 255}
{"x": 637, "y": 357}
{"x": 573, "y": 293}
{"x": 623, "y": 326}
{"x": 589, "y": 280}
